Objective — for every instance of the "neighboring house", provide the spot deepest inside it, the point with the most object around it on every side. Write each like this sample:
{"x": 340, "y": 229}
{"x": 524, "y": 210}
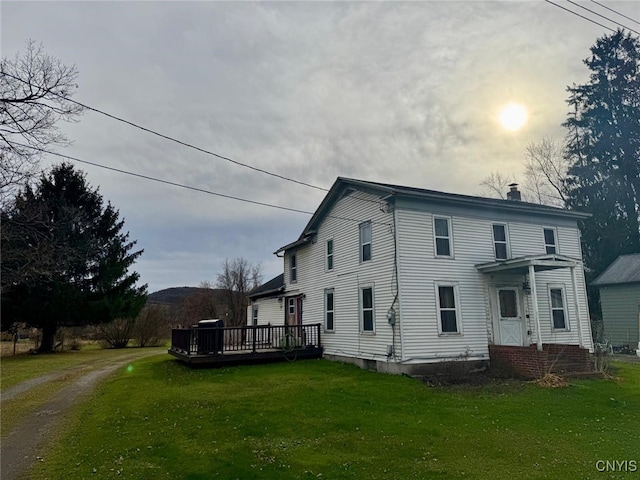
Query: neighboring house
{"x": 619, "y": 288}
{"x": 402, "y": 278}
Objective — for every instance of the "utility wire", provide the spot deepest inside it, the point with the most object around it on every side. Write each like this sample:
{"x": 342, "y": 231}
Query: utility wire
{"x": 616, "y": 12}
{"x": 197, "y": 189}
{"x": 166, "y": 182}
{"x": 582, "y": 16}
{"x": 602, "y": 16}
{"x": 166, "y": 137}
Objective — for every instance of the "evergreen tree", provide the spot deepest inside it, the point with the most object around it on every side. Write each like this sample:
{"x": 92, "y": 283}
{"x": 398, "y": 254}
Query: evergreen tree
{"x": 603, "y": 149}
{"x": 65, "y": 257}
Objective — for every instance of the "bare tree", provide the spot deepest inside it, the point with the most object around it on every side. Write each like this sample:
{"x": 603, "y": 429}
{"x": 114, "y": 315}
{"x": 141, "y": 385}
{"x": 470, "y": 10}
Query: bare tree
{"x": 206, "y": 303}
{"x": 546, "y": 172}
{"x": 35, "y": 93}
{"x": 238, "y": 277}
{"x": 496, "y": 185}
{"x": 151, "y": 324}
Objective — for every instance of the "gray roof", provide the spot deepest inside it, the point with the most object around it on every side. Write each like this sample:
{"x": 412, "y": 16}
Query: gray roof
{"x": 273, "y": 286}
{"x": 341, "y": 185}
{"x": 624, "y": 269}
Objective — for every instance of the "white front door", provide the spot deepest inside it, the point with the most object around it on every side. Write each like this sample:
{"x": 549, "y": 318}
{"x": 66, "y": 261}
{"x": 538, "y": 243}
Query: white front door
{"x": 509, "y": 316}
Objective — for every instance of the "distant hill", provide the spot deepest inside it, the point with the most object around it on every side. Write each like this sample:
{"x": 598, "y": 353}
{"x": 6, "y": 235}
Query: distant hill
{"x": 173, "y": 296}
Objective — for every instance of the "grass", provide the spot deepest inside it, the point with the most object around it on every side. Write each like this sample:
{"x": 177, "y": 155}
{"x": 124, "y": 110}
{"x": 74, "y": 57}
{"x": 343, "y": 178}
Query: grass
{"x": 317, "y": 419}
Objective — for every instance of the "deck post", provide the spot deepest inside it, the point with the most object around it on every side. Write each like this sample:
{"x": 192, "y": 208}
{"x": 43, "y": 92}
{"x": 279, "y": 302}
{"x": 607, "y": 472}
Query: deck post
{"x": 576, "y": 305}
{"x": 253, "y": 333}
{"x": 534, "y": 301}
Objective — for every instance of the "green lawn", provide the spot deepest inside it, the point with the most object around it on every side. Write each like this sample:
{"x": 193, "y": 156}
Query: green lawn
{"x": 317, "y": 419}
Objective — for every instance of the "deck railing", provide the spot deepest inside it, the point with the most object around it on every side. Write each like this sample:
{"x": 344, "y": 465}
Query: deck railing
{"x": 218, "y": 340}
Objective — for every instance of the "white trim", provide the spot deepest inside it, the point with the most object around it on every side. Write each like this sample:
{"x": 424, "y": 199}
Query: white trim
{"x": 555, "y": 239}
{"x": 506, "y": 241}
{"x": 456, "y": 300}
{"x": 331, "y": 291}
{"x": 436, "y": 237}
{"x": 361, "y": 308}
{"x": 567, "y": 323}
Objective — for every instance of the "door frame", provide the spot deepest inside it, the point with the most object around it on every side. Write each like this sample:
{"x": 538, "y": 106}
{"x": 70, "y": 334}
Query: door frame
{"x": 520, "y": 303}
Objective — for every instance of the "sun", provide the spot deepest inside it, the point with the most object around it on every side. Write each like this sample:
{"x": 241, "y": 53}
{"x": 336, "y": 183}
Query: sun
{"x": 513, "y": 116}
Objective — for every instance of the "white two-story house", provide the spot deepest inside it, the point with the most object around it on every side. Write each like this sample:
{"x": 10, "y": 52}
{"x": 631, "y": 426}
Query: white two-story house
{"x": 401, "y": 278}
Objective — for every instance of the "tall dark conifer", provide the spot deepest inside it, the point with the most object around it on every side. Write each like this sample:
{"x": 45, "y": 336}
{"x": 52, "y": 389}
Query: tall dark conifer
{"x": 66, "y": 260}
{"x": 603, "y": 147}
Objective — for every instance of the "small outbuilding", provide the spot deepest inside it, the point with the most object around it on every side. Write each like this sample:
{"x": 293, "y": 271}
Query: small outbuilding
{"x": 619, "y": 288}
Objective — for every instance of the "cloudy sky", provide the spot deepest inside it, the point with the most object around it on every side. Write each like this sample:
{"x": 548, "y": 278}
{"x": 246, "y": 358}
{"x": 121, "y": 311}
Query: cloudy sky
{"x": 398, "y": 92}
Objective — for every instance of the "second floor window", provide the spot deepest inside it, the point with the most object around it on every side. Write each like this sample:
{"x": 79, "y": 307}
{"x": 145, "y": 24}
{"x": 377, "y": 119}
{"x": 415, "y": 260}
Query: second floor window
{"x": 550, "y": 244}
{"x": 442, "y": 234}
{"x": 500, "y": 241}
{"x": 365, "y": 242}
{"x": 293, "y": 269}
{"x": 330, "y": 254}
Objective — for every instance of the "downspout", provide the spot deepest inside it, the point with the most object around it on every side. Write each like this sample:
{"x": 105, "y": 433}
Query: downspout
{"x": 397, "y": 296}
{"x": 534, "y": 300}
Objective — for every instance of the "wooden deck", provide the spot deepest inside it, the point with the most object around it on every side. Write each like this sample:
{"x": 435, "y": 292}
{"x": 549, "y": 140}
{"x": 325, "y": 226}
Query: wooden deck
{"x": 225, "y": 346}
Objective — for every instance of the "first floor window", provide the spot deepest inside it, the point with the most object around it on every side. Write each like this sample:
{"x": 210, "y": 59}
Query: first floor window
{"x": 254, "y": 315}
{"x": 558, "y": 312}
{"x": 366, "y": 309}
{"x": 448, "y": 312}
{"x": 329, "y": 309}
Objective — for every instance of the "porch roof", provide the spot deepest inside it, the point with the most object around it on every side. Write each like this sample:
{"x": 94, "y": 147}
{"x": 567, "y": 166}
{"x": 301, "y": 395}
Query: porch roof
{"x": 549, "y": 261}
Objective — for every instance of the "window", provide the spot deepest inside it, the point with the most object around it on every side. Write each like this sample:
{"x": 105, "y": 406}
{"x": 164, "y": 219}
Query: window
{"x": 365, "y": 242}
{"x": 292, "y": 306}
{"x": 293, "y": 269}
{"x": 328, "y": 309}
{"x": 448, "y": 311}
{"x": 442, "y": 235}
{"x": 500, "y": 241}
{"x": 330, "y": 254}
{"x": 550, "y": 244}
{"x": 558, "y": 312}
{"x": 366, "y": 309}
{"x": 254, "y": 315}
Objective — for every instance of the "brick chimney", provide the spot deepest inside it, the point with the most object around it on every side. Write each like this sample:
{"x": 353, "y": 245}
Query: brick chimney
{"x": 514, "y": 193}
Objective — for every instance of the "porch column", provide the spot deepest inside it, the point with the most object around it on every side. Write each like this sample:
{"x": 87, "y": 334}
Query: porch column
{"x": 534, "y": 301}
{"x": 576, "y": 305}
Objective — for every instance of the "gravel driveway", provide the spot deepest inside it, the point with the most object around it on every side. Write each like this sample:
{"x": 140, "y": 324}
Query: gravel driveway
{"x": 25, "y": 444}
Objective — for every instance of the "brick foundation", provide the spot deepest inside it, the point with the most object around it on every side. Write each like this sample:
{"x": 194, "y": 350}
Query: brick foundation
{"x": 528, "y": 362}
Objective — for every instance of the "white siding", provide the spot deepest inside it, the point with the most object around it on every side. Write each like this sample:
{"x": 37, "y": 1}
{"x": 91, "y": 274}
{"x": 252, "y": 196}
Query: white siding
{"x": 416, "y": 337}
{"x": 472, "y": 245}
{"x": 270, "y": 311}
{"x": 347, "y": 276}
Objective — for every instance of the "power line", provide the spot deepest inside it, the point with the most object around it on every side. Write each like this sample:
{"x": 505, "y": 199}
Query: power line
{"x": 582, "y": 16}
{"x": 602, "y": 16}
{"x": 197, "y": 189}
{"x": 616, "y": 12}
{"x": 166, "y": 137}
{"x": 166, "y": 182}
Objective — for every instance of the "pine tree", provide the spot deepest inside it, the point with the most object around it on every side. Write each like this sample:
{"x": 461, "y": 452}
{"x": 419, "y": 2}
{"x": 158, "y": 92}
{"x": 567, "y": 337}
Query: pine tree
{"x": 65, "y": 257}
{"x": 603, "y": 148}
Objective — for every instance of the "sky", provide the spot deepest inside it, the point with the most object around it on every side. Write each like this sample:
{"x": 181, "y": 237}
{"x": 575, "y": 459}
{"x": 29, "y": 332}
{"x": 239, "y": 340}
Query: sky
{"x": 397, "y": 92}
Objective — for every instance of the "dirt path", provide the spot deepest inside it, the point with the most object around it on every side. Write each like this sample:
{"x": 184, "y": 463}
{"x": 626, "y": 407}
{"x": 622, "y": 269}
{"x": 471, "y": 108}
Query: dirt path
{"x": 23, "y": 447}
